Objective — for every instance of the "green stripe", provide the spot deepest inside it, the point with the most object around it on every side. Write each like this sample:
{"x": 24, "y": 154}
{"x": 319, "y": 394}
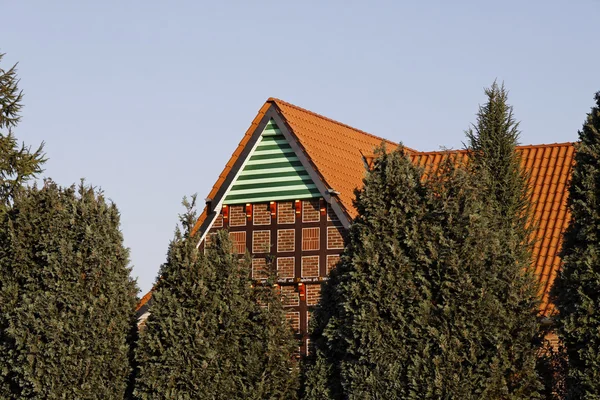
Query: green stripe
{"x": 271, "y": 184}
{"x": 272, "y": 175}
{"x": 272, "y": 139}
{"x": 273, "y": 147}
{"x": 288, "y": 193}
{"x": 257, "y": 157}
{"x": 255, "y": 167}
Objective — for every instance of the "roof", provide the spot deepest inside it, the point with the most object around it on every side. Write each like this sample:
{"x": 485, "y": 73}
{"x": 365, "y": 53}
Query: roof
{"x": 549, "y": 167}
{"x": 337, "y": 153}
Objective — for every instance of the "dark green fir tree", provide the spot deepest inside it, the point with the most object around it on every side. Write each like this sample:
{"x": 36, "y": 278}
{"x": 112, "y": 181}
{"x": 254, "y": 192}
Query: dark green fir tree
{"x": 66, "y": 297}
{"x": 212, "y": 333}
{"x": 370, "y": 321}
{"x": 492, "y": 146}
{"x": 18, "y": 163}
{"x": 576, "y": 290}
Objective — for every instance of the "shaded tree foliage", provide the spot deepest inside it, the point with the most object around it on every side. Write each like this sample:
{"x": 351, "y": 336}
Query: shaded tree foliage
{"x": 67, "y": 302}
{"x": 212, "y": 333}
{"x": 576, "y": 290}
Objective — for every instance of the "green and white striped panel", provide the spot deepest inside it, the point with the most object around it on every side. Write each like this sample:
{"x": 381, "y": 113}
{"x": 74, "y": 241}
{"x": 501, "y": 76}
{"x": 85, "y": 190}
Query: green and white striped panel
{"x": 273, "y": 172}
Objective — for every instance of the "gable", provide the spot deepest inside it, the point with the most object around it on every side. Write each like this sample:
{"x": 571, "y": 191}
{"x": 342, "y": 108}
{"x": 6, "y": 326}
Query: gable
{"x": 271, "y": 172}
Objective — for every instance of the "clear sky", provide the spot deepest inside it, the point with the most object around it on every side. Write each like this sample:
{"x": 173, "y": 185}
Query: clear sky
{"x": 148, "y": 99}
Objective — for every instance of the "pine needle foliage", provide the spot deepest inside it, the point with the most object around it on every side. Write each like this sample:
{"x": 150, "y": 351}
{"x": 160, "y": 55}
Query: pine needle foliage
{"x": 212, "y": 333}
{"x": 18, "y": 164}
{"x": 494, "y": 160}
{"x": 67, "y": 302}
{"x": 433, "y": 298}
{"x": 576, "y": 290}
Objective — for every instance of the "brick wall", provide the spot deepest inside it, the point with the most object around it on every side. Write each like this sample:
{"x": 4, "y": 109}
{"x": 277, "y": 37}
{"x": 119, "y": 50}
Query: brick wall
{"x": 289, "y": 296}
{"x": 285, "y": 267}
{"x": 310, "y": 211}
{"x": 313, "y": 294}
{"x": 261, "y": 241}
{"x": 310, "y": 266}
{"x": 310, "y": 239}
{"x": 286, "y": 214}
{"x": 331, "y": 215}
{"x": 332, "y": 260}
{"x": 285, "y": 240}
{"x": 335, "y": 240}
{"x": 238, "y": 241}
{"x": 261, "y": 214}
{"x": 259, "y": 268}
{"x": 218, "y": 221}
{"x": 237, "y": 216}
{"x": 305, "y": 246}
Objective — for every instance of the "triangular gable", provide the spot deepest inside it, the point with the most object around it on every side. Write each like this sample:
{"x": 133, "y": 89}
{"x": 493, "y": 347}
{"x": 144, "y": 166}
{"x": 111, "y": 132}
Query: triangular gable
{"x": 273, "y": 171}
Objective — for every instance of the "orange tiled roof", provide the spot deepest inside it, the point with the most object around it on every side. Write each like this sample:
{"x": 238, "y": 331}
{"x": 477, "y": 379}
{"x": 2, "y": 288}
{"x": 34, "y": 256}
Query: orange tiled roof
{"x": 336, "y": 151}
{"x": 549, "y": 168}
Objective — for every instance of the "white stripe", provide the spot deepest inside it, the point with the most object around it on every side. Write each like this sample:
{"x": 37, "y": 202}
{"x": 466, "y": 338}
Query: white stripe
{"x": 274, "y": 198}
{"x": 272, "y": 160}
{"x": 259, "y": 152}
{"x": 272, "y": 189}
{"x": 271, "y": 142}
{"x": 268, "y": 180}
{"x": 272, "y": 170}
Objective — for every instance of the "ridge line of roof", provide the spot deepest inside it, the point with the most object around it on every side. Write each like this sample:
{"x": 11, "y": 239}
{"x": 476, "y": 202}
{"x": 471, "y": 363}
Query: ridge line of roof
{"x": 276, "y": 100}
{"x": 522, "y": 147}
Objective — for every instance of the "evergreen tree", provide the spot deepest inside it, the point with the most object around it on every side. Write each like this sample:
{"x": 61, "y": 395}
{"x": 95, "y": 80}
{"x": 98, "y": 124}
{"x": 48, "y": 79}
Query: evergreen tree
{"x": 576, "y": 290}
{"x": 369, "y": 323}
{"x": 433, "y": 297}
{"x": 492, "y": 145}
{"x": 67, "y": 301}
{"x": 18, "y": 164}
{"x": 211, "y": 333}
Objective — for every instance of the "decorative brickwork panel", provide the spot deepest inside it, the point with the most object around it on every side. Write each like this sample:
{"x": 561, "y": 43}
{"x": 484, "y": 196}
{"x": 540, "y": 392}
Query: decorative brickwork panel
{"x": 261, "y": 214}
{"x": 218, "y": 221}
{"x": 310, "y": 266}
{"x": 310, "y": 239}
{"x": 261, "y": 241}
{"x": 335, "y": 239}
{"x": 332, "y": 260}
{"x": 293, "y": 317}
{"x": 289, "y": 296}
{"x": 331, "y": 215}
{"x": 285, "y": 267}
{"x": 286, "y": 214}
{"x": 238, "y": 241}
{"x": 237, "y": 216}
{"x": 259, "y": 268}
{"x": 285, "y": 240}
{"x": 313, "y": 294}
{"x": 310, "y": 211}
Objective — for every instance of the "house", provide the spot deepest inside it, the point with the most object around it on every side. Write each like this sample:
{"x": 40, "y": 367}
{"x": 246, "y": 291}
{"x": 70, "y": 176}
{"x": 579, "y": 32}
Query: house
{"x": 286, "y": 195}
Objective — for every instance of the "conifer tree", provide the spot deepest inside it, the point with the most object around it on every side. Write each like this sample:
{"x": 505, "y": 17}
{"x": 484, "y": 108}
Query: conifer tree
{"x": 18, "y": 164}
{"x": 576, "y": 290}
{"x": 492, "y": 143}
{"x": 66, "y": 297}
{"x": 211, "y": 333}
{"x": 369, "y": 323}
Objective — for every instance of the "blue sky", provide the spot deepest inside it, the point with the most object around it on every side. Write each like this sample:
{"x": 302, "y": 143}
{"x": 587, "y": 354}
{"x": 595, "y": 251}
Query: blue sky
{"x": 148, "y": 99}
